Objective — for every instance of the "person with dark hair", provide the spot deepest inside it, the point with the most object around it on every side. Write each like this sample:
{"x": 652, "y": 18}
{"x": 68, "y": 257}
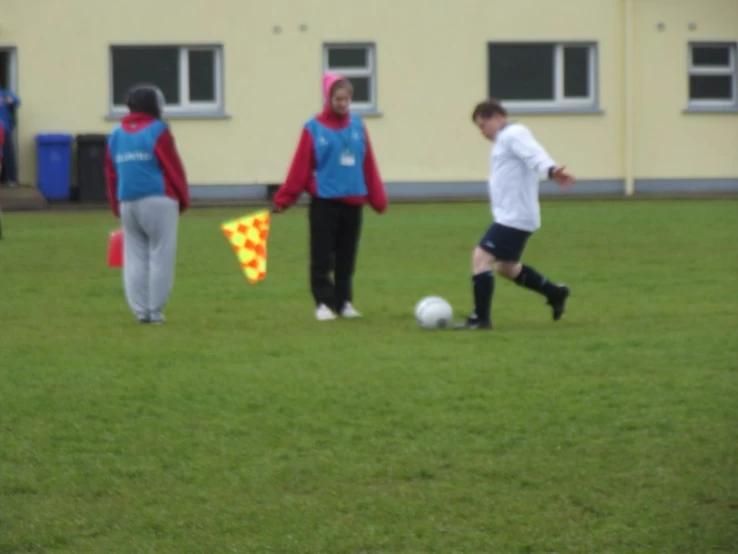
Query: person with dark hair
{"x": 148, "y": 190}
{"x": 517, "y": 162}
{"x": 2, "y": 144}
{"x": 334, "y": 163}
{"x": 9, "y": 104}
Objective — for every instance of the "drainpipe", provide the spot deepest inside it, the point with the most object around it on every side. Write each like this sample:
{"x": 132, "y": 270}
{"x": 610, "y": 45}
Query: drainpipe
{"x": 628, "y": 115}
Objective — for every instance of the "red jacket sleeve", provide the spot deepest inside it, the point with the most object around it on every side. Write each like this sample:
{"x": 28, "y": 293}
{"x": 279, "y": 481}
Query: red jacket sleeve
{"x": 299, "y": 174}
{"x": 376, "y": 194}
{"x": 174, "y": 171}
{"x": 112, "y": 180}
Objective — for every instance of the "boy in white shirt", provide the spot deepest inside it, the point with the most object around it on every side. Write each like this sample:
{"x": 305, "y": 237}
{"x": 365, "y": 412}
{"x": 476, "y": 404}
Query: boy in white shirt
{"x": 518, "y": 162}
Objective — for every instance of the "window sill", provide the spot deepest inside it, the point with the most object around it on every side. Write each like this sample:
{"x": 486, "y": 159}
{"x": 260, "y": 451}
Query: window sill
{"x": 554, "y": 110}
{"x": 710, "y": 109}
{"x": 368, "y": 113}
{"x": 117, "y": 116}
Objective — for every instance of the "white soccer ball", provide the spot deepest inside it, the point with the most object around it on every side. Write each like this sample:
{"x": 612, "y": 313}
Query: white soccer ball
{"x": 434, "y": 312}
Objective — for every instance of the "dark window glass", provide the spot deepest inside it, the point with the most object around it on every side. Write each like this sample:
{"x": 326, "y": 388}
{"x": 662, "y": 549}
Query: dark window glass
{"x": 711, "y": 87}
{"x": 347, "y": 57}
{"x": 576, "y": 72}
{"x": 157, "y": 65}
{"x": 521, "y": 71}
{"x": 202, "y": 75}
{"x": 362, "y": 89}
{"x": 715, "y": 56}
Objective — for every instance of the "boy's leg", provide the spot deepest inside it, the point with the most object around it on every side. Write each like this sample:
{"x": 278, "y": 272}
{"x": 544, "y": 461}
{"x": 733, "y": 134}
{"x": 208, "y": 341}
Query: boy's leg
{"x": 160, "y": 219}
{"x": 347, "y": 246}
{"x": 510, "y": 244}
{"x": 556, "y": 295}
{"x": 323, "y": 216}
{"x": 483, "y": 284}
{"x": 135, "y": 261}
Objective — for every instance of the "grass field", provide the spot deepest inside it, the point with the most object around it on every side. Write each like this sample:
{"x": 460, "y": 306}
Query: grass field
{"x": 242, "y": 425}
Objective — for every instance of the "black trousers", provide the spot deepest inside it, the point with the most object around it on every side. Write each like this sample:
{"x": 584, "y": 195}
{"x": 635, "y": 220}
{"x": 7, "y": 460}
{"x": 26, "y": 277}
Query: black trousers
{"x": 335, "y": 229}
{"x": 9, "y": 172}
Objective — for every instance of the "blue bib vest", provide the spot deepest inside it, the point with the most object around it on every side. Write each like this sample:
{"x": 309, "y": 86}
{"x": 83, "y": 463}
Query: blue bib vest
{"x": 139, "y": 173}
{"x": 7, "y": 117}
{"x": 339, "y": 157}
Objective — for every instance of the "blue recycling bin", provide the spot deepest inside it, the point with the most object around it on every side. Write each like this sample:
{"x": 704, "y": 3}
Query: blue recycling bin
{"x": 54, "y": 165}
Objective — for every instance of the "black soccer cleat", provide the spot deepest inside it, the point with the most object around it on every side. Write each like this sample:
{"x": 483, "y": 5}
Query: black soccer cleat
{"x": 557, "y": 301}
{"x": 473, "y": 323}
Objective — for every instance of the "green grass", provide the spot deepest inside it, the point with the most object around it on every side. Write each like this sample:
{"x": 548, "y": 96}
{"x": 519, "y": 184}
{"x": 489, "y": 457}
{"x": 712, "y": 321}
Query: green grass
{"x": 242, "y": 425}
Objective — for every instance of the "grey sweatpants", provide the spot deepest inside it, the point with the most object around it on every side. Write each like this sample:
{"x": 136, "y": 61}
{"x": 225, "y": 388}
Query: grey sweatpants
{"x": 149, "y": 253}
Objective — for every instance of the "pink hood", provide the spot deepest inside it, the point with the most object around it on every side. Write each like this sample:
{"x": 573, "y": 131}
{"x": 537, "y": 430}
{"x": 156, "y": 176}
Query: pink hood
{"x": 329, "y": 79}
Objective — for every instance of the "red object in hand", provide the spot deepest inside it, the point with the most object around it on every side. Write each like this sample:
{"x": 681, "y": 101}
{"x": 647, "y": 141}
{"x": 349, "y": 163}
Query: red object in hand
{"x": 115, "y": 248}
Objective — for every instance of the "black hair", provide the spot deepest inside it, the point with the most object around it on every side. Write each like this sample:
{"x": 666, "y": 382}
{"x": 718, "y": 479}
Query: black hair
{"x": 145, "y": 98}
{"x": 487, "y": 109}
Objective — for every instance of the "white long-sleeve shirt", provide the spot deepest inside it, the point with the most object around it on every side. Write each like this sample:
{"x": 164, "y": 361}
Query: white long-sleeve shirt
{"x": 518, "y": 162}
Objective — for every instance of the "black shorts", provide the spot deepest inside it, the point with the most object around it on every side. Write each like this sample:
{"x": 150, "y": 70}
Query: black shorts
{"x": 504, "y": 243}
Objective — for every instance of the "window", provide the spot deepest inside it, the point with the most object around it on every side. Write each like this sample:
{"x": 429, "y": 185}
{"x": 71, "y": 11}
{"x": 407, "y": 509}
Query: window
{"x": 357, "y": 62}
{"x": 713, "y": 75}
{"x": 543, "y": 75}
{"x": 189, "y": 77}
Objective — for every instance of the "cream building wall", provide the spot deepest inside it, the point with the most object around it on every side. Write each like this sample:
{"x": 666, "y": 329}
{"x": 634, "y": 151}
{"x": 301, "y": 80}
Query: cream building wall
{"x": 431, "y": 70}
{"x": 671, "y": 141}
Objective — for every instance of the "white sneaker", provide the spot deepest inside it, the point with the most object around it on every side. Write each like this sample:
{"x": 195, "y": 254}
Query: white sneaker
{"x": 349, "y": 311}
{"x": 157, "y": 319}
{"x": 324, "y": 313}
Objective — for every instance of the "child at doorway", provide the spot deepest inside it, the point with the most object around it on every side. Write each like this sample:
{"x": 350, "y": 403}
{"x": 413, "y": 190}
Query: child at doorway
{"x": 9, "y": 104}
{"x": 2, "y": 144}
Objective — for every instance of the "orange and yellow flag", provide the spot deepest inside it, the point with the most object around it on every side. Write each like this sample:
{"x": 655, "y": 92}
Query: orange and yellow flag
{"x": 248, "y": 237}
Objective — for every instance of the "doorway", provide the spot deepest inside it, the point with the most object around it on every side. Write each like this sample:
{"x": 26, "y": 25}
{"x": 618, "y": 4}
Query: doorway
{"x": 9, "y": 80}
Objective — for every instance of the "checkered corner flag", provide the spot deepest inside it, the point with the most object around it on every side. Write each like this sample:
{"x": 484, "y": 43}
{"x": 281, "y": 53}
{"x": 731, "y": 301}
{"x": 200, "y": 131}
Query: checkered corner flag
{"x": 248, "y": 237}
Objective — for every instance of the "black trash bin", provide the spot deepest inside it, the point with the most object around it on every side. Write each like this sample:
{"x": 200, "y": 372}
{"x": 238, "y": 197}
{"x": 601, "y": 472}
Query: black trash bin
{"x": 91, "y": 182}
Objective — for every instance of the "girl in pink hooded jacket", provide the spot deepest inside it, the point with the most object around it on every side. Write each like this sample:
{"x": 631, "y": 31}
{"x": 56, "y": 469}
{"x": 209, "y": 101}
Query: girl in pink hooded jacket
{"x": 334, "y": 163}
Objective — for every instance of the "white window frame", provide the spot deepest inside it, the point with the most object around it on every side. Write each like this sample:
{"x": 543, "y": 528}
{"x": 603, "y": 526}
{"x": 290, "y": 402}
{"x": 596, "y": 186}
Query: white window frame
{"x": 185, "y": 107}
{"x": 731, "y": 70}
{"x": 369, "y": 71}
{"x": 560, "y": 102}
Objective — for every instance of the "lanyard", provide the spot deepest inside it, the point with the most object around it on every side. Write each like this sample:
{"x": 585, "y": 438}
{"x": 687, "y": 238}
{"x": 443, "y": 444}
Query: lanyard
{"x": 346, "y": 141}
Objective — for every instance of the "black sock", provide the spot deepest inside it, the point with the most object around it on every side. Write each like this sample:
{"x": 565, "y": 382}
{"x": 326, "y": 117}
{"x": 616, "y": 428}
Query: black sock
{"x": 484, "y": 288}
{"x": 531, "y": 279}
